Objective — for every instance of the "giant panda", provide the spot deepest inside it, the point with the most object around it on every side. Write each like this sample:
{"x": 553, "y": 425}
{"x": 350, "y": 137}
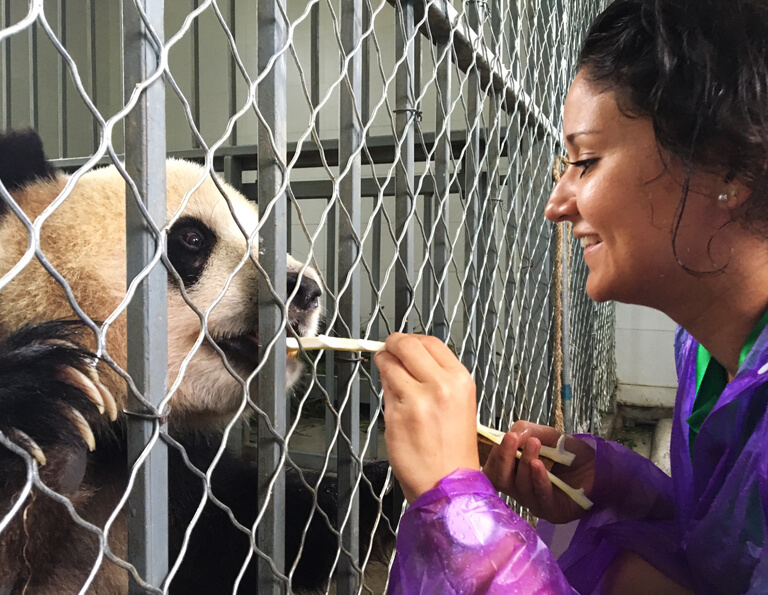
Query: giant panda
{"x": 64, "y": 407}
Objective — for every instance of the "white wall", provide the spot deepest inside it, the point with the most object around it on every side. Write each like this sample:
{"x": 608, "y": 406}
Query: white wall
{"x": 645, "y": 360}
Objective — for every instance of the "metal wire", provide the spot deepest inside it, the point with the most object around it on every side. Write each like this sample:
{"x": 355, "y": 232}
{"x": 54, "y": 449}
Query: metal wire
{"x": 408, "y": 145}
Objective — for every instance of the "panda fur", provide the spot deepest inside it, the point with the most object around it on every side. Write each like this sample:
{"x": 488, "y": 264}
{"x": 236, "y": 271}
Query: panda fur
{"x": 56, "y": 397}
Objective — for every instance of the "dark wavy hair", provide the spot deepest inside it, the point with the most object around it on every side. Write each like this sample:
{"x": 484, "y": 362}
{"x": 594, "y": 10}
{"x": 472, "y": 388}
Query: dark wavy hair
{"x": 699, "y": 70}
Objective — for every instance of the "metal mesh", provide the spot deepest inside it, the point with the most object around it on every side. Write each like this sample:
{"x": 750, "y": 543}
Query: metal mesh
{"x": 403, "y": 149}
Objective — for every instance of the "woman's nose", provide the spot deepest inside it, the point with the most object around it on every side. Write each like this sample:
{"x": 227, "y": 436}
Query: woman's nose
{"x": 561, "y": 205}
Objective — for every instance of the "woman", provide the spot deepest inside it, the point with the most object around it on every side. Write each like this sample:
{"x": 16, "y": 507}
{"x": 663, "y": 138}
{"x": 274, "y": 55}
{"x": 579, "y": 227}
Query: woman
{"x": 666, "y": 185}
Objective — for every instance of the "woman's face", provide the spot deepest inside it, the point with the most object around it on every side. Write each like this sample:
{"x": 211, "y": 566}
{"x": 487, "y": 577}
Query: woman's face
{"x": 622, "y": 202}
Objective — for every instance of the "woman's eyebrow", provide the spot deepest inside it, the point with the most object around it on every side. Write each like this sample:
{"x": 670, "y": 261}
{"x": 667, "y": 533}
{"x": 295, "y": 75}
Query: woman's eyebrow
{"x": 573, "y": 135}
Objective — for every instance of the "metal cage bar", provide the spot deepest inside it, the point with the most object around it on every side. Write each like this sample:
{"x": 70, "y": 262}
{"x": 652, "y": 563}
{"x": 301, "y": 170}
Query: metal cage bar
{"x": 272, "y": 101}
{"x": 350, "y": 144}
{"x": 147, "y": 318}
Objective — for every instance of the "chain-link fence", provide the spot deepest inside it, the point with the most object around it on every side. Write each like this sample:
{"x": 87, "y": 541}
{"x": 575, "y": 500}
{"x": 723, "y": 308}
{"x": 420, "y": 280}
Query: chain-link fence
{"x": 402, "y": 150}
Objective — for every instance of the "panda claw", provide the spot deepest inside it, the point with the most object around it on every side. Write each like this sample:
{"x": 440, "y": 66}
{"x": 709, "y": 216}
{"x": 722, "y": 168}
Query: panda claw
{"x": 109, "y": 401}
{"x": 32, "y": 447}
{"x": 76, "y": 378}
{"x": 83, "y": 428}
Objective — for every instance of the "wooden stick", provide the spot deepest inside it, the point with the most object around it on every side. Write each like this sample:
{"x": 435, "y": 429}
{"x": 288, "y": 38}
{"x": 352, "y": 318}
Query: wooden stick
{"x": 557, "y": 454}
{"x": 294, "y": 345}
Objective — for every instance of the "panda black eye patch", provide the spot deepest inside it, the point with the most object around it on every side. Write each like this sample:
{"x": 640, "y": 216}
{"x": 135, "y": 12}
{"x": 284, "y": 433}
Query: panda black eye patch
{"x": 190, "y": 245}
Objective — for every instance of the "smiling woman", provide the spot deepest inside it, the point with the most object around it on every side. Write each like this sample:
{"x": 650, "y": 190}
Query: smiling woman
{"x": 666, "y": 186}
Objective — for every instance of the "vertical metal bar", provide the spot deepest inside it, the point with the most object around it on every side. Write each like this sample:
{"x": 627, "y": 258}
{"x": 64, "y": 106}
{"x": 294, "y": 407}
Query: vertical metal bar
{"x": 350, "y": 140}
{"x": 404, "y": 203}
{"x": 512, "y": 235}
{"x": 233, "y": 171}
{"x": 541, "y": 279}
{"x": 314, "y": 60}
{"x": 366, "y": 98}
{"x": 428, "y": 221}
{"x": 5, "y": 64}
{"x": 471, "y": 181}
{"x": 490, "y": 319}
{"x": 288, "y": 226}
{"x": 375, "y": 328}
{"x": 62, "y": 104}
{"x": 404, "y": 199}
{"x": 272, "y": 98}
{"x": 233, "y": 174}
{"x": 34, "y": 87}
{"x": 196, "y": 72}
{"x": 233, "y": 71}
{"x": 416, "y": 62}
{"x": 482, "y": 243}
{"x": 523, "y": 296}
{"x": 91, "y": 54}
{"x": 147, "y": 320}
{"x": 441, "y": 252}
{"x": 332, "y": 246}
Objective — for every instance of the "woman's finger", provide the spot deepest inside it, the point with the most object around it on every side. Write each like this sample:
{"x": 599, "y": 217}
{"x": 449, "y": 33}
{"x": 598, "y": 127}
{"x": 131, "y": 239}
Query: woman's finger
{"x": 413, "y": 355}
{"x": 500, "y": 466}
{"x": 523, "y": 478}
{"x": 396, "y": 381}
{"x": 542, "y": 486}
{"x": 545, "y": 434}
{"x": 440, "y": 352}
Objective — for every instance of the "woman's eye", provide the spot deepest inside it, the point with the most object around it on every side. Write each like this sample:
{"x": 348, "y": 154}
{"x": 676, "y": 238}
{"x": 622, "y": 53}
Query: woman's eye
{"x": 193, "y": 240}
{"x": 584, "y": 164}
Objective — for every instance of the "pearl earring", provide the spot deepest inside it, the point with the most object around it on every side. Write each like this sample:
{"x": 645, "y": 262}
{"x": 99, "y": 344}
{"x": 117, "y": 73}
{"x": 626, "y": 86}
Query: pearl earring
{"x": 726, "y": 196}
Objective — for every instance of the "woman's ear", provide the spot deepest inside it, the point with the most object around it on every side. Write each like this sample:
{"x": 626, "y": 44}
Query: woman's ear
{"x": 733, "y": 195}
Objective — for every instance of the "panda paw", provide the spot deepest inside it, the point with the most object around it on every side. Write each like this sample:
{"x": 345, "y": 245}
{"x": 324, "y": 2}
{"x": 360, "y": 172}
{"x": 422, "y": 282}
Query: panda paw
{"x": 51, "y": 396}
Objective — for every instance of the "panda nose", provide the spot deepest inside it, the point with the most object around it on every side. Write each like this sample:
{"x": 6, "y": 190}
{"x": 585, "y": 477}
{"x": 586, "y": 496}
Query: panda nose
{"x": 308, "y": 295}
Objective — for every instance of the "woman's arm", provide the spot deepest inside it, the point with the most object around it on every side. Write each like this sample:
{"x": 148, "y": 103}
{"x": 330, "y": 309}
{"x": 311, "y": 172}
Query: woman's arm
{"x": 460, "y": 537}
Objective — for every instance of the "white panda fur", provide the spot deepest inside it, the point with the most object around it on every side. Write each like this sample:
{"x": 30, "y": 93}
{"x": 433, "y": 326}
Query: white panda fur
{"x": 84, "y": 239}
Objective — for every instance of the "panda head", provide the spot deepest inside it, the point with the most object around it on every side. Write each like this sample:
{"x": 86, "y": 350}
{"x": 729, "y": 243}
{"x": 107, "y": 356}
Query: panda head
{"x": 84, "y": 240}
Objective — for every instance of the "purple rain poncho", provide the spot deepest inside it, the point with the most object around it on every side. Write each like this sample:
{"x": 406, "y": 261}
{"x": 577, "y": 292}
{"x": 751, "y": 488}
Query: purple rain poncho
{"x": 704, "y": 528}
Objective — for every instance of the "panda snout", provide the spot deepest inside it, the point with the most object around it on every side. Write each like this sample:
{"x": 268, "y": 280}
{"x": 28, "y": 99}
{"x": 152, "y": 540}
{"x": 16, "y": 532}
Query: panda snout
{"x": 307, "y": 296}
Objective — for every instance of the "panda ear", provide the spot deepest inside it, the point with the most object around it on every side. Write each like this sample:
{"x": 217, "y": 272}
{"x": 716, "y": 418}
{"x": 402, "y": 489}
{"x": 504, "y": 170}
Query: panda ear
{"x": 22, "y": 160}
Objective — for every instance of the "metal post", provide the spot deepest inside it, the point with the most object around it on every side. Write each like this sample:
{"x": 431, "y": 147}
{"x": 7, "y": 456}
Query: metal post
{"x": 331, "y": 244}
{"x": 508, "y": 375}
{"x": 314, "y": 60}
{"x": 147, "y": 323}
{"x": 92, "y": 53}
{"x": 5, "y": 68}
{"x": 441, "y": 251}
{"x": 195, "y": 103}
{"x": 490, "y": 318}
{"x": 233, "y": 174}
{"x": 61, "y": 24}
{"x": 471, "y": 182}
{"x": 350, "y": 140}
{"x": 234, "y": 73}
{"x": 366, "y": 97}
{"x": 405, "y": 117}
{"x": 272, "y": 101}
{"x": 376, "y": 325}
{"x": 427, "y": 222}
{"x": 34, "y": 78}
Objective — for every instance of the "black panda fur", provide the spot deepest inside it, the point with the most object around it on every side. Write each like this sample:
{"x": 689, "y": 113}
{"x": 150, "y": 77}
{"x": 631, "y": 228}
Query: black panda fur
{"x": 42, "y": 550}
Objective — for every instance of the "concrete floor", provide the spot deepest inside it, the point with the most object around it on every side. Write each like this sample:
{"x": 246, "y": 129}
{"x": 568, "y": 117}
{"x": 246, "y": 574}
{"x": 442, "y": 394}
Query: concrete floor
{"x": 649, "y": 438}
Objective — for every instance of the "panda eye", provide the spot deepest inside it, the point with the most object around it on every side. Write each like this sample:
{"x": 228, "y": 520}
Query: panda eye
{"x": 192, "y": 239}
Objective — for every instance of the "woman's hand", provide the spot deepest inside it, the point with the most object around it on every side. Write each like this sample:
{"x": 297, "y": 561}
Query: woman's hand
{"x": 526, "y": 480}
{"x": 430, "y": 412}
